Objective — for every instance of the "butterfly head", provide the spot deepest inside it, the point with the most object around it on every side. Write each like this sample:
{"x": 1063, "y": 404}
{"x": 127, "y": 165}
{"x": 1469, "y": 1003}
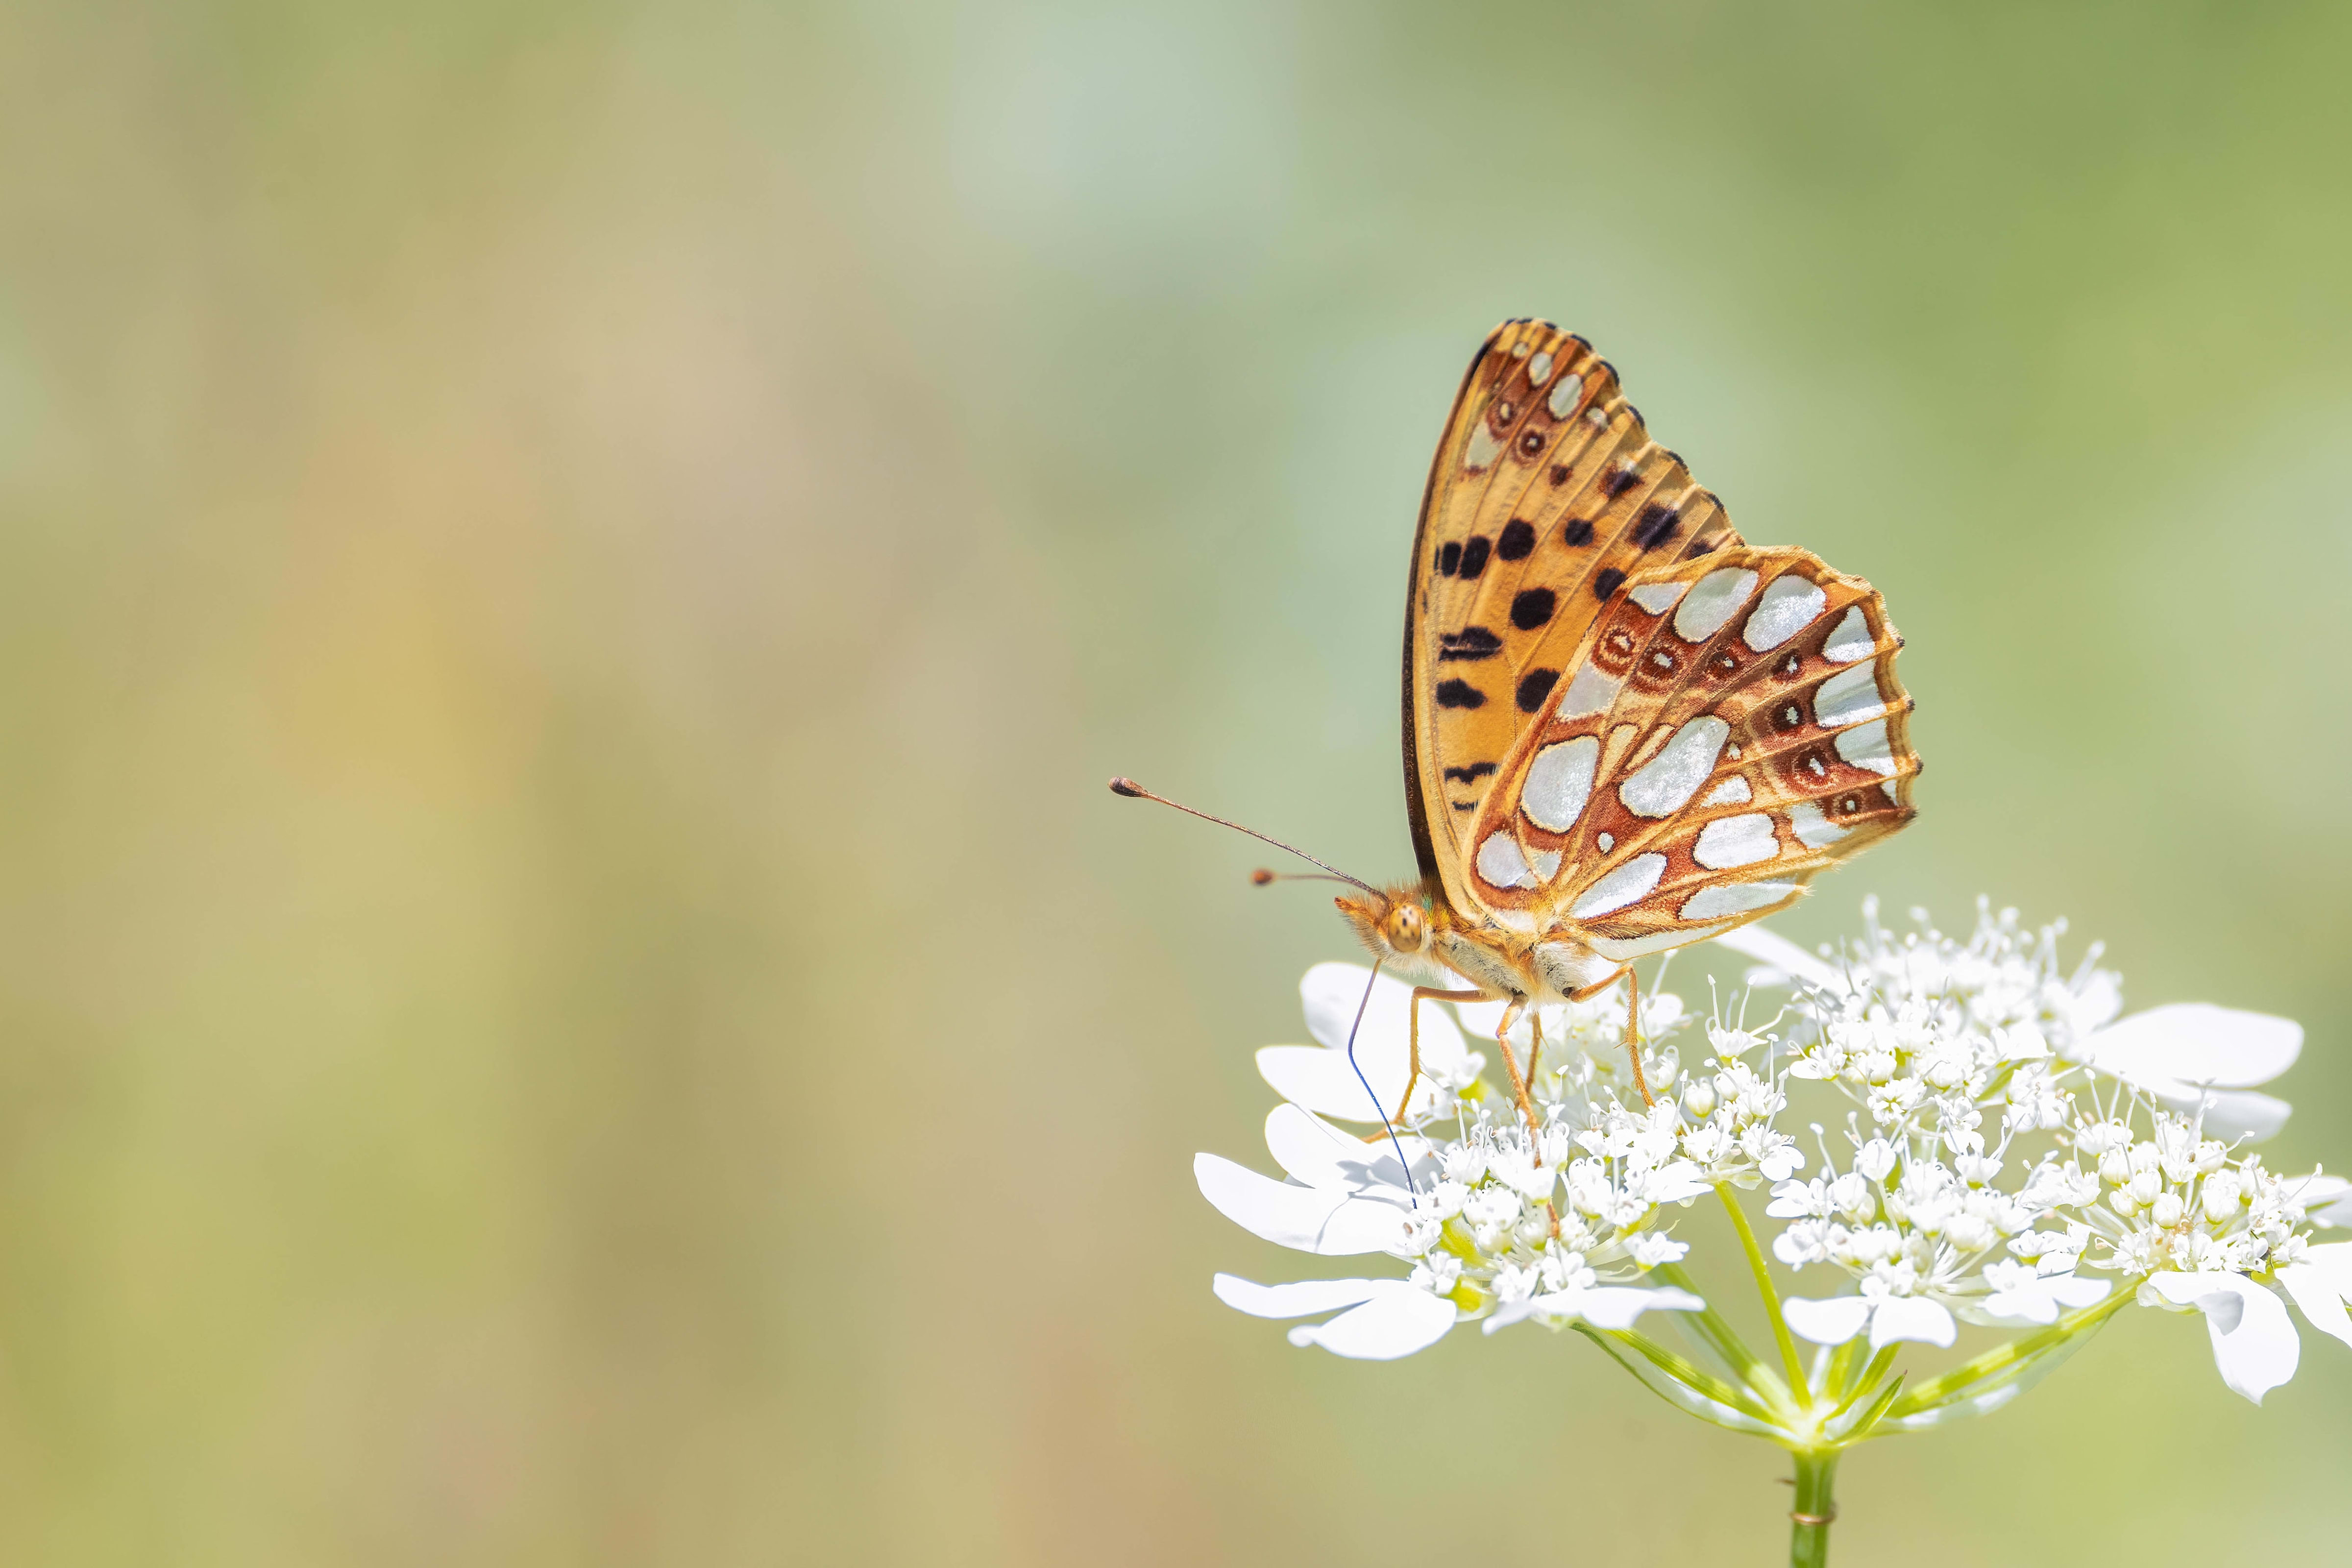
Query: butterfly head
{"x": 1395, "y": 923}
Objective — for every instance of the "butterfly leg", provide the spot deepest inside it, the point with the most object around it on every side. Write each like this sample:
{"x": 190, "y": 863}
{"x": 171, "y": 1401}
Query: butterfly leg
{"x": 1634, "y": 1033}
{"x": 1632, "y": 1025}
{"x": 1510, "y": 1064}
{"x": 1413, "y": 1033}
{"x": 1425, "y": 994}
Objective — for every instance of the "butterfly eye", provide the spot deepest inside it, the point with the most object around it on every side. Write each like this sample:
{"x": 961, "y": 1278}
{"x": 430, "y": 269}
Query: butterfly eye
{"x": 1406, "y": 928}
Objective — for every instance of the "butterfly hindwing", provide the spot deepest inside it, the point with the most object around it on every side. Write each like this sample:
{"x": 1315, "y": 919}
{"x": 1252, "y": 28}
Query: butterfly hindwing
{"x": 1546, "y": 498}
{"x": 1730, "y": 727}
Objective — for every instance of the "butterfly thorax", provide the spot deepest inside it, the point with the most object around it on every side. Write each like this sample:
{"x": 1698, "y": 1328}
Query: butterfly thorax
{"x": 1417, "y": 936}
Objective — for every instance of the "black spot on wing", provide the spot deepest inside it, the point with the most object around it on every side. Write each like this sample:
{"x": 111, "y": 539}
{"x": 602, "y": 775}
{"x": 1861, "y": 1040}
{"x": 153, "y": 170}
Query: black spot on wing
{"x": 1470, "y": 642}
{"x": 1535, "y": 689}
{"x": 1533, "y": 608}
{"x": 1578, "y": 532}
{"x": 1449, "y": 558}
{"x": 1459, "y": 694}
{"x": 1519, "y": 540}
{"x": 1470, "y": 774}
{"x": 1560, "y": 472}
{"x": 1620, "y": 481}
{"x": 1608, "y": 582}
{"x": 1655, "y": 525}
{"x": 1474, "y": 556}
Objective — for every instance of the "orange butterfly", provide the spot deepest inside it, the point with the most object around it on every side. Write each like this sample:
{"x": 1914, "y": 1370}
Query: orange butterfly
{"x": 1625, "y": 731}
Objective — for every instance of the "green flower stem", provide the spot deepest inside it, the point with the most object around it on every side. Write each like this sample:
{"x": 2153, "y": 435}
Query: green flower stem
{"x": 1741, "y": 1421}
{"x": 1808, "y": 1531}
{"x": 1867, "y": 1419}
{"x": 1837, "y": 1377}
{"x": 2002, "y": 1358}
{"x": 1789, "y": 1357}
{"x": 1690, "y": 1375}
{"x": 1720, "y": 1337}
{"x": 1878, "y": 1368}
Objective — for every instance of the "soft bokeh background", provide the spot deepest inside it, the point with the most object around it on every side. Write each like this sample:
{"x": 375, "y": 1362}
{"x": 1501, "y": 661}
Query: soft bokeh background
{"x": 570, "y": 990}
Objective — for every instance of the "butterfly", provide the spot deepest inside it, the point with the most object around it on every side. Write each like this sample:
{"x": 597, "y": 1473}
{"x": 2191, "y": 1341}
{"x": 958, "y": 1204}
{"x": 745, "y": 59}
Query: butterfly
{"x": 1626, "y": 730}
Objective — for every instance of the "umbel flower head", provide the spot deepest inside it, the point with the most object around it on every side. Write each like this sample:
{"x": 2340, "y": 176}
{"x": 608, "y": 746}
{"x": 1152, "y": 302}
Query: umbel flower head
{"x": 1988, "y": 1145}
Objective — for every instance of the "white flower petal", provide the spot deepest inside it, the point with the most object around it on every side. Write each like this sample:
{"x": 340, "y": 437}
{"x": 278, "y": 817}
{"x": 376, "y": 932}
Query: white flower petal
{"x": 2233, "y": 1113}
{"x": 2315, "y": 1291}
{"x": 2096, "y": 1004}
{"x": 1297, "y": 1299}
{"x": 2226, "y": 1113}
{"x": 1831, "y": 1322}
{"x": 1322, "y": 1081}
{"x": 2026, "y": 1306}
{"x": 1510, "y": 1312}
{"x": 1777, "y": 953}
{"x": 2032, "y": 1298}
{"x": 1676, "y": 1181}
{"x": 2255, "y": 1343}
{"x": 1394, "y": 1323}
{"x": 2335, "y": 1259}
{"x": 1317, "y": 1153}
{"x": 2198, "y": 1043}
{"x": 1619, "y": 1306}
{"x": 1482, "y": 1018}
{"x": 1320, "y": 1078}
{"x": 1912, "y": 1317}
{"x": 2326, "y": 1199}
{"x": 2074, "y": 1294}
{"x": 1602, "y": 1306}
{"x": 1312, "y": 1219}
{"x": 1331, "y": 994}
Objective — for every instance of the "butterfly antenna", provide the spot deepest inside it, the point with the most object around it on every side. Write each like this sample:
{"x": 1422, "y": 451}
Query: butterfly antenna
{"x": 1402, "y": 1163}
{"x": 1135, "y": 791}
{"x": 1263, "y": 878}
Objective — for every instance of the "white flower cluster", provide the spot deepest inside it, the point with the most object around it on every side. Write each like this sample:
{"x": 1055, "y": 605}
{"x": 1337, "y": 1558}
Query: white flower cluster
{"x": 2009, "y": 1147}
{"x": 1501, "y": 1220}
{"x": 1967, "y": 1062}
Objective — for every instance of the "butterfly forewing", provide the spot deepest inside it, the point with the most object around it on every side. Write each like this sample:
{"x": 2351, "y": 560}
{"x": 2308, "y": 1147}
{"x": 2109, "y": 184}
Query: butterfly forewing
{"x": 1729, "y": 726}
{"x": 1545, "y": 497}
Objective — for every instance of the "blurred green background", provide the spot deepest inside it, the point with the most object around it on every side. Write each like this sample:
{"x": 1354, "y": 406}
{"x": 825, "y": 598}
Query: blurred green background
{"x": 570, "y": 990}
